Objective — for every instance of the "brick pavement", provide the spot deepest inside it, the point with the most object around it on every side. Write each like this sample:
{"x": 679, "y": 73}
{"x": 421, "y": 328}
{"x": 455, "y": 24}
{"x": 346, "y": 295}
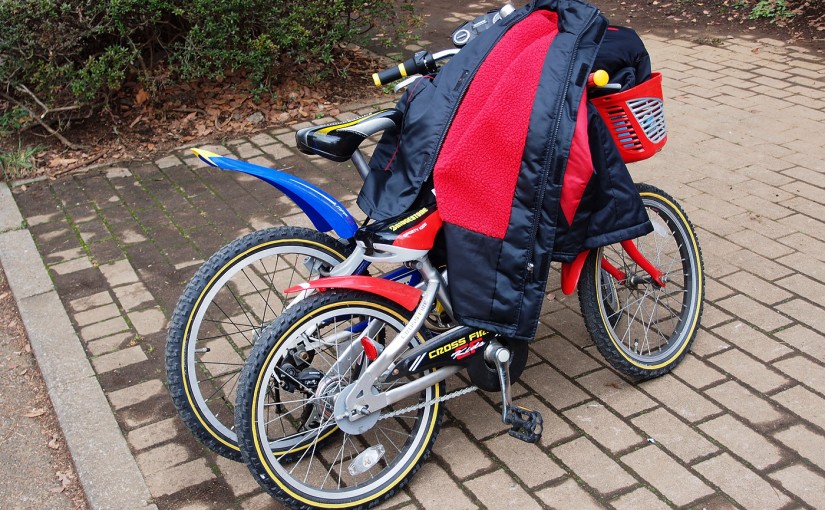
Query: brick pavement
{"x": 740, "y": 424}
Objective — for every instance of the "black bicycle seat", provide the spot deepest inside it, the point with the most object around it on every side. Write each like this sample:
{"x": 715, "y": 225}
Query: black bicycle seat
{"x": 339, "y": 140}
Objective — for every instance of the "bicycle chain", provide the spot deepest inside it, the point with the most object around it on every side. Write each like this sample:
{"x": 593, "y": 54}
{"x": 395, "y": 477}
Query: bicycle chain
{"x": 448, "y": 396}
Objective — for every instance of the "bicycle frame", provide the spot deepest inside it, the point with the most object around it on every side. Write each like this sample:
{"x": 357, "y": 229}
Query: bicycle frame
{"x": 361, "y": 399}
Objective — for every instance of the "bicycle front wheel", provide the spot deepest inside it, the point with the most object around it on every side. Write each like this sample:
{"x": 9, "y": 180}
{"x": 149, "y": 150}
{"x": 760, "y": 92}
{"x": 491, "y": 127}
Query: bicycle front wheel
{"x": 294, "y": 435}
{"x": 221, "y": 314}
{"x": 642, "y": 329}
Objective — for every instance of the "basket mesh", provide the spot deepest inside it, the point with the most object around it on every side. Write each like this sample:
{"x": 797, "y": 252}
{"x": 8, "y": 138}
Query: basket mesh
{"x": 650, "y": 114}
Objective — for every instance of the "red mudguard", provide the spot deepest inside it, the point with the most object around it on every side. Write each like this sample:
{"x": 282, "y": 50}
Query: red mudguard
{"x": 404, "y": 295}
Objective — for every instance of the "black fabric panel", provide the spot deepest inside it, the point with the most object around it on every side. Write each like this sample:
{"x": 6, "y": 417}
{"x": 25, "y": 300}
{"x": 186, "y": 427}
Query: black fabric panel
{"x": 624, "y": 56}
{"x": 611, "y": 209}
{"x": 470, "y": 258}
{"x": 618, "y": 212}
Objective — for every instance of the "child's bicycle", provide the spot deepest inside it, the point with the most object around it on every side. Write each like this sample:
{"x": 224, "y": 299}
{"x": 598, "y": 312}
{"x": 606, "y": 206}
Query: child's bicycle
{"x": 238, "y": 291}
{"x": 341, "y": 397}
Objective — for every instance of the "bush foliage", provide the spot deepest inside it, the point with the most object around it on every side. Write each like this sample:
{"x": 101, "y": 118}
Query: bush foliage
{"x": 60, "y": 57}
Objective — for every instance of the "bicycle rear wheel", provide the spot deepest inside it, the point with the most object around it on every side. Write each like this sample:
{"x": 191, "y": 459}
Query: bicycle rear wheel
{"x": 294, "y": 438}
{"x": 221, "y": 314}
{"x": 642, "y": 329}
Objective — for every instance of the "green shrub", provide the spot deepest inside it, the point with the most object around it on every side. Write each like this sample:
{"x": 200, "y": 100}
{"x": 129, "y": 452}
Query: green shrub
{"x": 773, "y": 10}
{"x": 62, "y": 57}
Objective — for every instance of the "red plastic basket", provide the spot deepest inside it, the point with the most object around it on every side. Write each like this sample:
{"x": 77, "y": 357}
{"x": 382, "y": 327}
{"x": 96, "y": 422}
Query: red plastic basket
{"x": 636, "y": 119}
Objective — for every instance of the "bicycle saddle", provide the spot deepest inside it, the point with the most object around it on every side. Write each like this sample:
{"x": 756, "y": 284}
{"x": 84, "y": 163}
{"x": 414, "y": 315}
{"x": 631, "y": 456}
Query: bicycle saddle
{"x": 339, "y": 140}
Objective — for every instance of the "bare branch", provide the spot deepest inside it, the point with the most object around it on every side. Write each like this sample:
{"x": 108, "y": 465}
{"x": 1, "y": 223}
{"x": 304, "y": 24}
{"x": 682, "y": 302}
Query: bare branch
{"x": 37, "y": 119}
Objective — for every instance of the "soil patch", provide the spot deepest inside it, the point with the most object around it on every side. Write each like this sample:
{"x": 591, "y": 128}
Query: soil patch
{"x": 37, "y": 470}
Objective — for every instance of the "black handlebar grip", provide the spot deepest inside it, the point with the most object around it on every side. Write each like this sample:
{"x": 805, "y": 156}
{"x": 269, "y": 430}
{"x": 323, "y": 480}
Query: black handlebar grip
{"x": 390, "y": 75}
{"x": 420, "y": 63}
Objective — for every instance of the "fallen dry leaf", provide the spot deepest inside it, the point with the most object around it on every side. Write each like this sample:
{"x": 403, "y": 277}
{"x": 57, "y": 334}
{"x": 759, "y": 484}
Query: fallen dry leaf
{"x": 141, "y": 97}
{"x": 34, "y": 413}
{"x": 62, "y": 162}
{"x": 53, "y": 443}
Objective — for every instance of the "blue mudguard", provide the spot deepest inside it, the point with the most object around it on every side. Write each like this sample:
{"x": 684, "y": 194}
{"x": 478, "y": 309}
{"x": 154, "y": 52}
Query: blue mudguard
{"x": 325, "y": 212}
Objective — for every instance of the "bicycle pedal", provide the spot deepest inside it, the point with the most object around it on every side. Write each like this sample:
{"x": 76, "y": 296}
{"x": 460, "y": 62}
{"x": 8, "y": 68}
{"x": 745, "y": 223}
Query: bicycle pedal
{"x": 527, "y": 424}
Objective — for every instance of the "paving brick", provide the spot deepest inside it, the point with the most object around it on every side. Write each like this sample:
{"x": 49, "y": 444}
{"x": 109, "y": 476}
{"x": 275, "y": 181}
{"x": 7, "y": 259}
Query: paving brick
{"x": 743, "y": 441}
{"x": 563, "y": 355}
{"x": 153, "y": 434}
{"x": 133, "y": 296}
{"x": 480, "y": 418}
{"x": 804, "y": 370}
{"x": 167, "y": 162}
{"x": 65, "y": 255}
{"x": 108, "y": 344}
{"x": 161, "y": 458}
{"x": 756, "y": 313}
{"x": 593, "y": 466}
{"x": 278, "y": 151}
{"x": 805, "y": 313}
{"x": 754, "y": 342}
{"x": 95, "y": 315}
{"x": 119, "y": 273}
{"x": 179, "y": 477}
{"x": 680, "y": 398}
{"x": 119, "y": 359}
{"x": 759, "y": 243}
{"x": 611, "y": 389}
{"x": 568, "y": 495}
{"x": 604, "y": 427}
{"x": 103, "y": 329}
{"x": 697, "y": 373}
{"x": 460, "y": 453}
{"x": 807, "y": 443}
{"x": 752, "y": 285}
{"x": 148, "y": 321}
{"x": 641, "y": 498}
{"x": 530, "y": 465}
{"x": 498, "y": 490}
{"x": 668, "y": 477}
{"x": 745, "y": 403}
{"x": 742, "y": 484}
{"x": 803, "y": 403}
{"x": 136, "y": 394}
{"x": 237, "y": 477}
{"x": 71, "y": 266}
{"x": 432, "y": 483}
{"x": 674, "y": 435}
{"x": 553, "y": 386}
{"x": 803, "y": 482}
{"x": 748, "y": 371}
{"x": 88, "y": 302}
{"x": 706, "y": 344}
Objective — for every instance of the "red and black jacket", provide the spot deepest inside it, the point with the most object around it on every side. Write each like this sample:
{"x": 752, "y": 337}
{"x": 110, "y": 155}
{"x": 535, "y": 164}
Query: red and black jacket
{"x": 517, "y": 160}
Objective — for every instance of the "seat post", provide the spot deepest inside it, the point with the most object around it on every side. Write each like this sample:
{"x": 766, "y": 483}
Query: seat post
{"x": 360, "y": 164}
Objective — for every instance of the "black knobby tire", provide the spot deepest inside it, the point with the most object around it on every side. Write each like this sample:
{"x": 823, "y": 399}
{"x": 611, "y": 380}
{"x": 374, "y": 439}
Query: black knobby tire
{"x": 644, "y": 330}
{"x": 230, "y": 299}
{"x": 308, "y": 466}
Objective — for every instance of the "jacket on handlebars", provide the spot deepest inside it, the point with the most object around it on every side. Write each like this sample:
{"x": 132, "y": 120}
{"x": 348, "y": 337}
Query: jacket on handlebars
{"x": 523, "y": 170}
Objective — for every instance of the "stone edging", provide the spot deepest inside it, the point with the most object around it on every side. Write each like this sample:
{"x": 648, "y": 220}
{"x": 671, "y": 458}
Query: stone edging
{"x": 105, "y": 465}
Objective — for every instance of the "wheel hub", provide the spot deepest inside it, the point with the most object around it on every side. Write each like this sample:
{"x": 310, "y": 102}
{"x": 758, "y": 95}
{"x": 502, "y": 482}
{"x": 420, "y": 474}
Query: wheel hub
{"x": 361, "y": 422}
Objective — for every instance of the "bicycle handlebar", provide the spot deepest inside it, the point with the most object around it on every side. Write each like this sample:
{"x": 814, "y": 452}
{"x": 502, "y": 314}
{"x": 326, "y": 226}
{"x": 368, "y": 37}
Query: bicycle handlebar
{"x": 420, "y": 63}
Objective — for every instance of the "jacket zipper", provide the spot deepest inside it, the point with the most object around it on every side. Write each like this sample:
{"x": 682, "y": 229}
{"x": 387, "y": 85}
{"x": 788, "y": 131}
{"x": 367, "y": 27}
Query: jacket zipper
{"x": 543, "y": 182}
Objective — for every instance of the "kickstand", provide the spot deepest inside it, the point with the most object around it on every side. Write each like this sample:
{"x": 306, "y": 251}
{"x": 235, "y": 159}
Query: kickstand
{"x": 527, "y": 424}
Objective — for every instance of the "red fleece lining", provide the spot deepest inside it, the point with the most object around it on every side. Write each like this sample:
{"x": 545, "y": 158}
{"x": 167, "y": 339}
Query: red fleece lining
{"x": 478, "y": 166}
{"x": 579, "y": 167}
